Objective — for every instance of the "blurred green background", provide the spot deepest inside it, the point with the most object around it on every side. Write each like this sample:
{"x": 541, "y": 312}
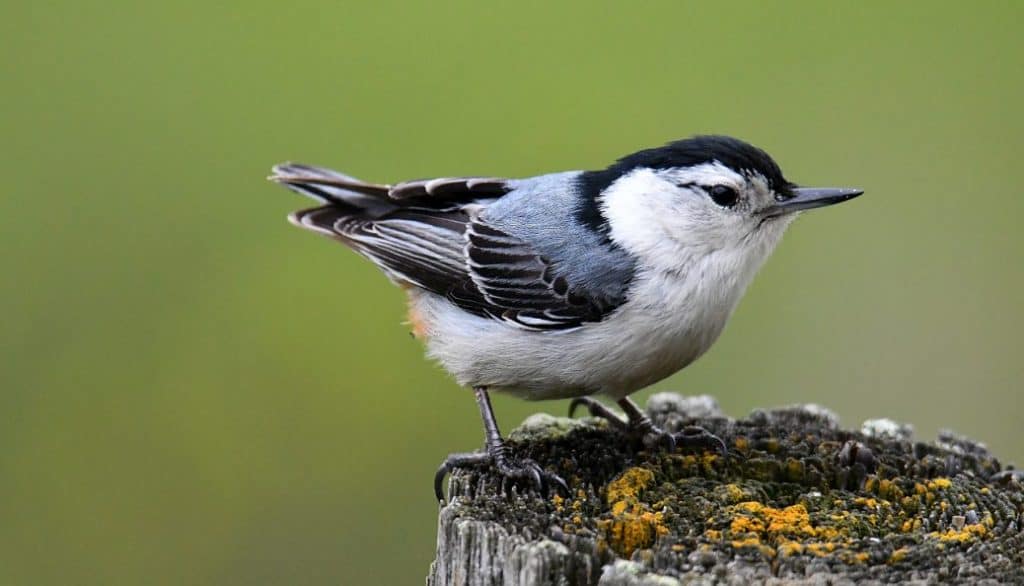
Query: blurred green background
{"x": 194, "y": 392}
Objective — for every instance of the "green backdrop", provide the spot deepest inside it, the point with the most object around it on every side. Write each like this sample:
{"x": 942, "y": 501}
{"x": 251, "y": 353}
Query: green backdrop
{"x": 194, "y": 392}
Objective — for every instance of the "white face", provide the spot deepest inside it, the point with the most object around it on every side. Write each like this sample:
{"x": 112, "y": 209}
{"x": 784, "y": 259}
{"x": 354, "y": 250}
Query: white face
{"x": 670, "y": 217}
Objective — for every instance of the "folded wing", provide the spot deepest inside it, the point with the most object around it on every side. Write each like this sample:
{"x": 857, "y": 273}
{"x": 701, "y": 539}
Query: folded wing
{"x": 431, "y": 234}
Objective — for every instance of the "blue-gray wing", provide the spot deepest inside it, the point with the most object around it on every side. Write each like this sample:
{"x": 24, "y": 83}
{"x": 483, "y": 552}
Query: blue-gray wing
{"x": 429, "y": 235}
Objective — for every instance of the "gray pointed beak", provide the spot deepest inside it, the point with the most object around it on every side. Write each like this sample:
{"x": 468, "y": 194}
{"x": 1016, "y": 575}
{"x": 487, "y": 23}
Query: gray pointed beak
{"x": 807, "y": 198}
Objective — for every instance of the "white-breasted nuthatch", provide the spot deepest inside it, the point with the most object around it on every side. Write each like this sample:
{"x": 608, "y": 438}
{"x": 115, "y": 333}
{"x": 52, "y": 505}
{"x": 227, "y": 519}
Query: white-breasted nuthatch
{"x": 569, "y": 284}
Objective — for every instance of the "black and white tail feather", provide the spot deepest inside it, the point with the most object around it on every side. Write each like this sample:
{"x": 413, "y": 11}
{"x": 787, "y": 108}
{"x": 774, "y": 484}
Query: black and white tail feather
{"x": 430, "y": 234}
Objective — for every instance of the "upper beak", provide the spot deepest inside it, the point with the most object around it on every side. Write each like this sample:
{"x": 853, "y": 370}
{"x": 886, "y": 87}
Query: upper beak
{"x": 806, "y": 198}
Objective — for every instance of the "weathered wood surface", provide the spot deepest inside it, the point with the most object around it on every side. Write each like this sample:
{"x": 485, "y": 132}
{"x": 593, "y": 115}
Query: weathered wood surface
{"x": 798, "y": 500}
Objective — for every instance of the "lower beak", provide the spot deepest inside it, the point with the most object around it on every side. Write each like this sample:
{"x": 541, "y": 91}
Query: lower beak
{"x": 807, "y": 198}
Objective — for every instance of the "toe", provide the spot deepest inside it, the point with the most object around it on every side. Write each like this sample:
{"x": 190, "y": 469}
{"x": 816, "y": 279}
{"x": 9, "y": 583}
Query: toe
{"x": 575, "y": 404}
{"x": 453, "y": 461}
{"x": 659, "y": 439}
{"x": 558, "y": 482}
{"x": 442, "y": 471}
{"x": 534, "y": 473}
{"x": 699, "y": 437}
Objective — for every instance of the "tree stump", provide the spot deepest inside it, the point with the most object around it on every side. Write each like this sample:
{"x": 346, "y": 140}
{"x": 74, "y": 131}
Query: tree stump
{"x": 797, "y": 500}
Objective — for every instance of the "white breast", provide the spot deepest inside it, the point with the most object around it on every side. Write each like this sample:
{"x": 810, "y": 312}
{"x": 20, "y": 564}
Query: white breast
{"x": 669, "y": 321}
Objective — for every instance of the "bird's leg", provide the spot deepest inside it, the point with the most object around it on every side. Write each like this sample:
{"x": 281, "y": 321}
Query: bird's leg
{"x": 495, "y": 453}
{"x": 638, "y": 423}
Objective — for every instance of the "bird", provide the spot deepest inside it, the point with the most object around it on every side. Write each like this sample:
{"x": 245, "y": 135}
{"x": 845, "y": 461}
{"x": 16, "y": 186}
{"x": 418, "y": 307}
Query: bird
{"x": 576, "y": 284}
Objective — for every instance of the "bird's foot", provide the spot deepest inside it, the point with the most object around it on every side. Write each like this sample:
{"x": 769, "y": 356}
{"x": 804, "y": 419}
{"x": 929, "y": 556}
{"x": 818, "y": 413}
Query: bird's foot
{"x": 638, "y": 425}
{"x": 512, "y": 472}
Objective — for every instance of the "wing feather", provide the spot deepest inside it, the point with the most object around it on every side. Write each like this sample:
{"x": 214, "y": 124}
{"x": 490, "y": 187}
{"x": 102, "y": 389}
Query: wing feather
{"x": 451, "y": 188}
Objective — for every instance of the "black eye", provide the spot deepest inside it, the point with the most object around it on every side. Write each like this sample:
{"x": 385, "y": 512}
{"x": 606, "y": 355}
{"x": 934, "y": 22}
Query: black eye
{"x": 723, "y": 195}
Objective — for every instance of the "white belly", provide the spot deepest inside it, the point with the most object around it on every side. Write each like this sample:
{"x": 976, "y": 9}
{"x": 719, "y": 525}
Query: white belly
{"x": 639, "y": 344}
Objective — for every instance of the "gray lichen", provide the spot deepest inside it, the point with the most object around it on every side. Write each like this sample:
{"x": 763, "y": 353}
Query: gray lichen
{"x": 798, "y": 500}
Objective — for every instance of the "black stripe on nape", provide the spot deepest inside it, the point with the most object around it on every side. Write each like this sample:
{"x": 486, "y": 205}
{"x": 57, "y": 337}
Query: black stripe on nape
{"x": 590, "y": 185}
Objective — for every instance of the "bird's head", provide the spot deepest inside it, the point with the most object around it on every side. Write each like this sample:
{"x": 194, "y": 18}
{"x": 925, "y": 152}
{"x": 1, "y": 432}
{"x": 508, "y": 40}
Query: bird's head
{"x": 697, "y": 197}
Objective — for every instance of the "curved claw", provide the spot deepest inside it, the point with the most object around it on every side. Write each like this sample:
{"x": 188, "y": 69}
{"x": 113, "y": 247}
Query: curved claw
{"x": 723, "y": 450}
{"x": 456, "y": 461}
{"x": 698, "y": 436}
{"x": 528, "y": 470}
{"x": 559, "y": 482}
{"x": 538, "y": 480}
{"x": 442, "y": 471}
{"x": 597, "y": 409}
{"x": 576, "y": 402}
{"x": 594, "y": 407}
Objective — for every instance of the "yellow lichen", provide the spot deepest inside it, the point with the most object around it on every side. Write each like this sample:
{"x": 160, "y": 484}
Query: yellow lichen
{"x": 751, "y": 506}
{"x": 889, "y": 491}
{"x": 910, "y": 503}
{"x": 787, "y": 531}
{"x": 746, "y": 542}
{"x": 820, "y": 549}
{"x": 733, "y": 494}
{"x": 794, "y": 469}
{"x": 850, "y": 557}
{"x": 753, "y": 542}
{"x": 713, "y": 534}
{"x": 742, "y": 525}
{"x": 898, "y": 555}
{"x": 871, "y": 484}
{"x": 790, "y": 548}
{"x": 967, "y": 533}
{"x": 634, "y": 525}
{"x": 829, "y": 533}
{"x": 792, "y": 519}
{"x": 741, "y": 443}
{"x": 559, "y": 502}
{"x": 775, "y": 526}
{"x": 629, "y": 484}
{"x": 939, "y": 483}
